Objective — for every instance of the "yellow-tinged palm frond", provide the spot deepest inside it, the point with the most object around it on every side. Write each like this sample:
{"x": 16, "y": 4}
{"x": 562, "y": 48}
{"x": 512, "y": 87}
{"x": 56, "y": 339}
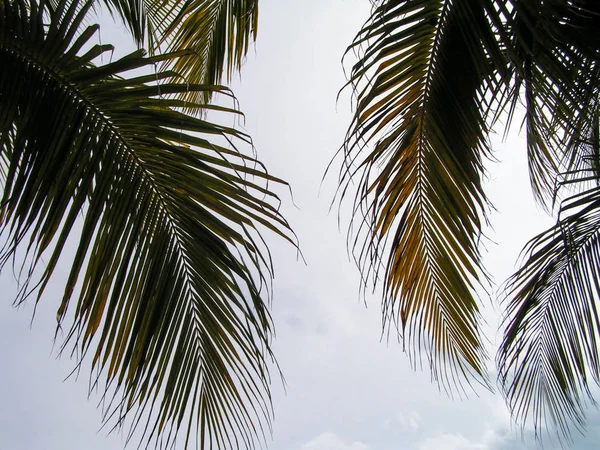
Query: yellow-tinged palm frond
{"x": 168, "y": 283}
{"x": 426, "y": 75}
{"x": 218, "y": 31}
{"x": 218, "y": 34}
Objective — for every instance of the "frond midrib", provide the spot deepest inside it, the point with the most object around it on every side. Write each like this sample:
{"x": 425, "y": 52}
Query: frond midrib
{"x": 509, "y": 354}
{"x": 220, "y": 4}
{"x": 68, "y": 86}
{"x": 147, "y": 179}
{"x": 551, "y": 293}
{"x": 421, "y": 183}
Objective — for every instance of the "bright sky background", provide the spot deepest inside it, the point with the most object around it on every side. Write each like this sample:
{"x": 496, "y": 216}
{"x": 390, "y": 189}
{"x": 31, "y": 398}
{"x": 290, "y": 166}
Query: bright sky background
{"x": 346, "y": 389}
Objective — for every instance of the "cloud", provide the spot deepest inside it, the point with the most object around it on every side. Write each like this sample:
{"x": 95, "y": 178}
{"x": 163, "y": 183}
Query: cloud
{"x": 449, "y": 442}
{"x": 502, "y": 437}
{"x": 330, "y": 441}
{"x": 406, "y": 422}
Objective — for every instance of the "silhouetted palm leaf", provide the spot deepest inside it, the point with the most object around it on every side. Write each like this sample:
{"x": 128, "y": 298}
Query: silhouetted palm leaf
{"x": 168, "y": 283}
{"x": 558, "y": 80}
{"x": 550, "y": 348}
{"x": 549, "y": 351}
{"x": 424, "y": 80}
{"x": 432, "y": 77}
{"x": 217, "y": 34}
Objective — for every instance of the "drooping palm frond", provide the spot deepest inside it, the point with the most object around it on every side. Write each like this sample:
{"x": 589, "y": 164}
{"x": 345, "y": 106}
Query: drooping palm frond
{"x": 550, "y": 350}
{"x": 218, "y": 31}
{"x": 168, "y": 283}
{"x": 557, "y": 72}
{"x": 134, "y": 15}
{"x": 429, "y": 71}
{"x": 218, "y": 34}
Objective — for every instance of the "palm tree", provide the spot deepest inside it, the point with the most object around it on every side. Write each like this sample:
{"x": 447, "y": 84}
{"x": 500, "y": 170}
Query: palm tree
{"x": 168, "y": 286}
{"x": 432, "y": 79}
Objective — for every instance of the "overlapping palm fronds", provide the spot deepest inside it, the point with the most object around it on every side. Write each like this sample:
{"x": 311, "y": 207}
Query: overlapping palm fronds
{"x": 219, "y": 32}
{"x": 421, "y": 83}
{"x": 431, "y": 78}
{"x": 557, "y": 76}
{"x": 167, "y": 288}
{"x": 216, "y": 33}
{"x": 549, "y": 353}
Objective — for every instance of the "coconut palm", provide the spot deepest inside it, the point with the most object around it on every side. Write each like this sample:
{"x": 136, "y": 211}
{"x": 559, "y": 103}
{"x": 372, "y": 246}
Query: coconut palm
{"x": 167, "y": 288}
{"x": 166, "y": 291}
{"x": 432, "y": 78}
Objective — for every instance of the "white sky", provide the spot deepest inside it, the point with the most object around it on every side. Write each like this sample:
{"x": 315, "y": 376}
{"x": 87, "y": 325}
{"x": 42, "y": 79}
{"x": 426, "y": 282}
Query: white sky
{"x": 346, "y": 389}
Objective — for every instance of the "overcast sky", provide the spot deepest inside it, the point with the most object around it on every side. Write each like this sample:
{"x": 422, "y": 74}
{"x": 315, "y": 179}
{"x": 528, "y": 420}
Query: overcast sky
{"x": 346, "y": 389}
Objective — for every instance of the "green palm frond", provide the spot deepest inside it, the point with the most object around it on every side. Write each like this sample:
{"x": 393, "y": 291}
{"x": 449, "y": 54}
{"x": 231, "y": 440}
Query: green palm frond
{"x": 168, "y": 283}
{"x": 217, "y": 34}
{"x": 550, "y": 350}
{"x": 424, "y": 81}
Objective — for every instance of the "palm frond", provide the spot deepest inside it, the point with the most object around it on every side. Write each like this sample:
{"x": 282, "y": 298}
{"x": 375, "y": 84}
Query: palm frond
{"x": 134, "y": 15}
{"x": 549, "y": 353}
{"x": 217, "y": 34}
{"x": 425, "y": 83}
{"x": 558, "y": 75}
{"x": 168, "y": 285}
